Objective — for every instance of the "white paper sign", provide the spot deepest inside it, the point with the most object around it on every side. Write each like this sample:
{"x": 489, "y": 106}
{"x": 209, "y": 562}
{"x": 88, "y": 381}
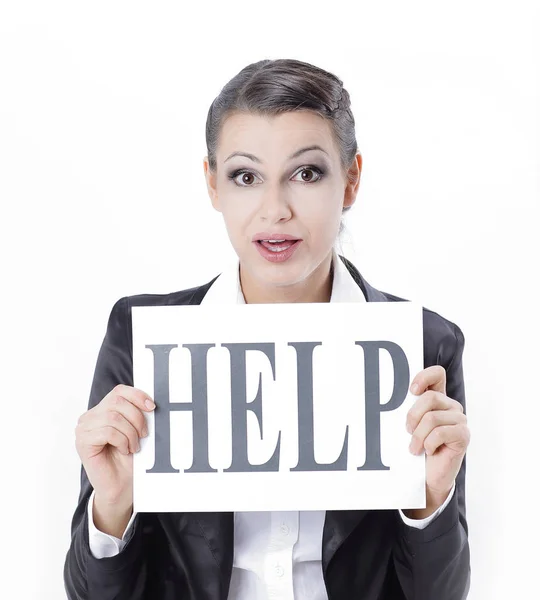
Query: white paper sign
{"x": 295, "y": 406}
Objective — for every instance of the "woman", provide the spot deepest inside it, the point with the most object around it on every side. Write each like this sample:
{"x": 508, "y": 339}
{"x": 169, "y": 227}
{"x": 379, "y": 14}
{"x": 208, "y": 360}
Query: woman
{"x": 273, "y": 124}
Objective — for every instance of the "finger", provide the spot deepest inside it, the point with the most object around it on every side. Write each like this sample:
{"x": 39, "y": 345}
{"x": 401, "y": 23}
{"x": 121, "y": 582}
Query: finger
{"x": 451, "y": 435}
{"x": 431, "y": 420}
{"x": 131, "y": 412}
{"x": 430, "y": 400}
{"x": 134, "y": 395}
{"x": 118, "y": 421}
{"x": 101, "y": 436}
{"x": 110, "y": 418}
{"x": 433, "y": 378}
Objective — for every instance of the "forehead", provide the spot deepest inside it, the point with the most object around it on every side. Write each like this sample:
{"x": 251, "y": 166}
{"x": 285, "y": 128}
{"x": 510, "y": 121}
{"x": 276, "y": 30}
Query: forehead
{"x": 274, "y": 135}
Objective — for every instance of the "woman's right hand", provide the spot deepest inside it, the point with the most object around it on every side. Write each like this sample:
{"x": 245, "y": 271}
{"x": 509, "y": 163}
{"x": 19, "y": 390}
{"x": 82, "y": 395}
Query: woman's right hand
{"x": 106, "y": 437}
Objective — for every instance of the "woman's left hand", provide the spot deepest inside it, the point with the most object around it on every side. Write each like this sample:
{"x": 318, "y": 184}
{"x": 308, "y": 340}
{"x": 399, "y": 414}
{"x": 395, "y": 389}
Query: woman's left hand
{"x": 439, "y": 426}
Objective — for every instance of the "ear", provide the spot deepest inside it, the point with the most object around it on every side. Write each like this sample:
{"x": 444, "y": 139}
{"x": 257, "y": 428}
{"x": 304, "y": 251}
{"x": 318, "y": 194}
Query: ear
{"x": 353, "y": 181}
{"x": 211, "y": 184}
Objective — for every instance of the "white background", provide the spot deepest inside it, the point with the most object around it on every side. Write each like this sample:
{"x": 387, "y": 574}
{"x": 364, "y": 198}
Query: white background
{"x": 102, "y": 113}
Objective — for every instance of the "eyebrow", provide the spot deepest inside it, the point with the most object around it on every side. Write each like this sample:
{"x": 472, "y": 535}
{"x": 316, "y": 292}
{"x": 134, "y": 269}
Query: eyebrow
{"x": 293, "y": 155}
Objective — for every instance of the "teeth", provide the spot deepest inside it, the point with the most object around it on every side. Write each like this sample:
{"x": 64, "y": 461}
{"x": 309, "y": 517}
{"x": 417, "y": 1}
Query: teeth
{"x": 276, "y": 248}
{"x": 277, "y": 245}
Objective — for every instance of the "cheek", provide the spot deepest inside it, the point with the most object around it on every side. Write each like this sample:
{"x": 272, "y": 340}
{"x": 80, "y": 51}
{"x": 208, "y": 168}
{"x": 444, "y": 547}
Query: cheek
{"x": 237, "y": 216}
{"x": 232, "y": 208}
{"x": 320, "y": 215}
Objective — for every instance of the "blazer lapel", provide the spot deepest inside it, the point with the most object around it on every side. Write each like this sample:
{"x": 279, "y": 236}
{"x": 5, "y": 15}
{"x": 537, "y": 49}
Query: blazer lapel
{"x": 372, "y": 294}
{"x": 218, "y": 531}
{"x": 339, "y": 524}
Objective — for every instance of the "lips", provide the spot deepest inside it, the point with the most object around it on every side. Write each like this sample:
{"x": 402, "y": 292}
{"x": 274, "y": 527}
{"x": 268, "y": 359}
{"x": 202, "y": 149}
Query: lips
{"x": 277, "y": 252}
{"x": 277, "y": 246}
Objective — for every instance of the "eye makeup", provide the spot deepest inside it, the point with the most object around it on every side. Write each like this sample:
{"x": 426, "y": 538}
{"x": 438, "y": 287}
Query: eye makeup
{"x": 320, "y": 171}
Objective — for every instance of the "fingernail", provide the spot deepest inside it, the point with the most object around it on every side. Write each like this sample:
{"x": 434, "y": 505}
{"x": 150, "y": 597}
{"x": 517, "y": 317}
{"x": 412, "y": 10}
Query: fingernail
{"x": 409, "y": 428}
{"x": 145, "y": 431}
{"x": 411, "y": 448}
{"x": 149, "y": 404}
{"x": 414, "y": 388}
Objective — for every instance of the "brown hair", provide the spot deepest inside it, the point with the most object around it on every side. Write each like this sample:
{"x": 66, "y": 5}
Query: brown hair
{"x": 271, "y": 87}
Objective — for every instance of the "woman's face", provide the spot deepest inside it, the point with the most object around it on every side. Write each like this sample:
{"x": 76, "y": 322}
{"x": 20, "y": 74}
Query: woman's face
{"x": 280, "y": 189}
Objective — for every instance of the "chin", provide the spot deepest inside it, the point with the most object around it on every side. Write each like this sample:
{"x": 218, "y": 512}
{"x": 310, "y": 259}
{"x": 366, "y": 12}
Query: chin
{"x": 281, "y": 274}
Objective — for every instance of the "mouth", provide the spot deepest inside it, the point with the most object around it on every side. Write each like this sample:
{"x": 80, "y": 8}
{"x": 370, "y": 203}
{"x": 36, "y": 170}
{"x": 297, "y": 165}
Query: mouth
{"x": 278, "y": 250}
{"x": 277, "y": 245}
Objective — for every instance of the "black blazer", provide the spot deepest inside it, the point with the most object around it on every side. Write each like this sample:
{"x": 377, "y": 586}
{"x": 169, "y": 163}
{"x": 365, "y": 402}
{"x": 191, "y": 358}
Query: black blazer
{"x": 366, "y": 554}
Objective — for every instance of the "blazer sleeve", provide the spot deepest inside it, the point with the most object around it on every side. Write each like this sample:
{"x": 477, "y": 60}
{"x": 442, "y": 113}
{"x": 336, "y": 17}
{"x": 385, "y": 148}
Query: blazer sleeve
{"x": 123, "y": 576}
{"x": 434, "y": 563}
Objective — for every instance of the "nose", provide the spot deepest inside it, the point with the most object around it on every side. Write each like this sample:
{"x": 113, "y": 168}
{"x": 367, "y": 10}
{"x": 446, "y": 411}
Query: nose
{"x": 275, "y": 207}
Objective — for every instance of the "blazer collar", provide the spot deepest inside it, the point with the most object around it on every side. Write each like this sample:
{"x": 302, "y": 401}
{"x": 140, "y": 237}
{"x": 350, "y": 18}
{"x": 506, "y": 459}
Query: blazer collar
{"x": 372, "y": 294}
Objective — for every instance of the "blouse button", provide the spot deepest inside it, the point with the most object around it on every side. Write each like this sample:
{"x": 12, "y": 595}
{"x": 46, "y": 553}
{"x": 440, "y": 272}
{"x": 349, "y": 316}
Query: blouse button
{"x": 279, "y": 571}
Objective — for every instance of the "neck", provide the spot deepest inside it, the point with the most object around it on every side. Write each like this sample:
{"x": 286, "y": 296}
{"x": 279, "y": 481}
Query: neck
{"x": 316, "y": 288}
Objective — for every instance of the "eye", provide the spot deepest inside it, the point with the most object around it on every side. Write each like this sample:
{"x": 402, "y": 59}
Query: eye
{"x": 311, "y": 169}
{"x": 247, "y": 176}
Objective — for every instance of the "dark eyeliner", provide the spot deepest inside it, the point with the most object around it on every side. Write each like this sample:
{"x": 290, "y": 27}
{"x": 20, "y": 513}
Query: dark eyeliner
{"x": 234, "y": 174}
{"x": 321, "y": 172}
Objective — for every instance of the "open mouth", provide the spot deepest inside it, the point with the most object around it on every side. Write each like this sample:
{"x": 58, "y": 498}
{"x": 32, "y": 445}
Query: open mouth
{"x": 277, "y": 245}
